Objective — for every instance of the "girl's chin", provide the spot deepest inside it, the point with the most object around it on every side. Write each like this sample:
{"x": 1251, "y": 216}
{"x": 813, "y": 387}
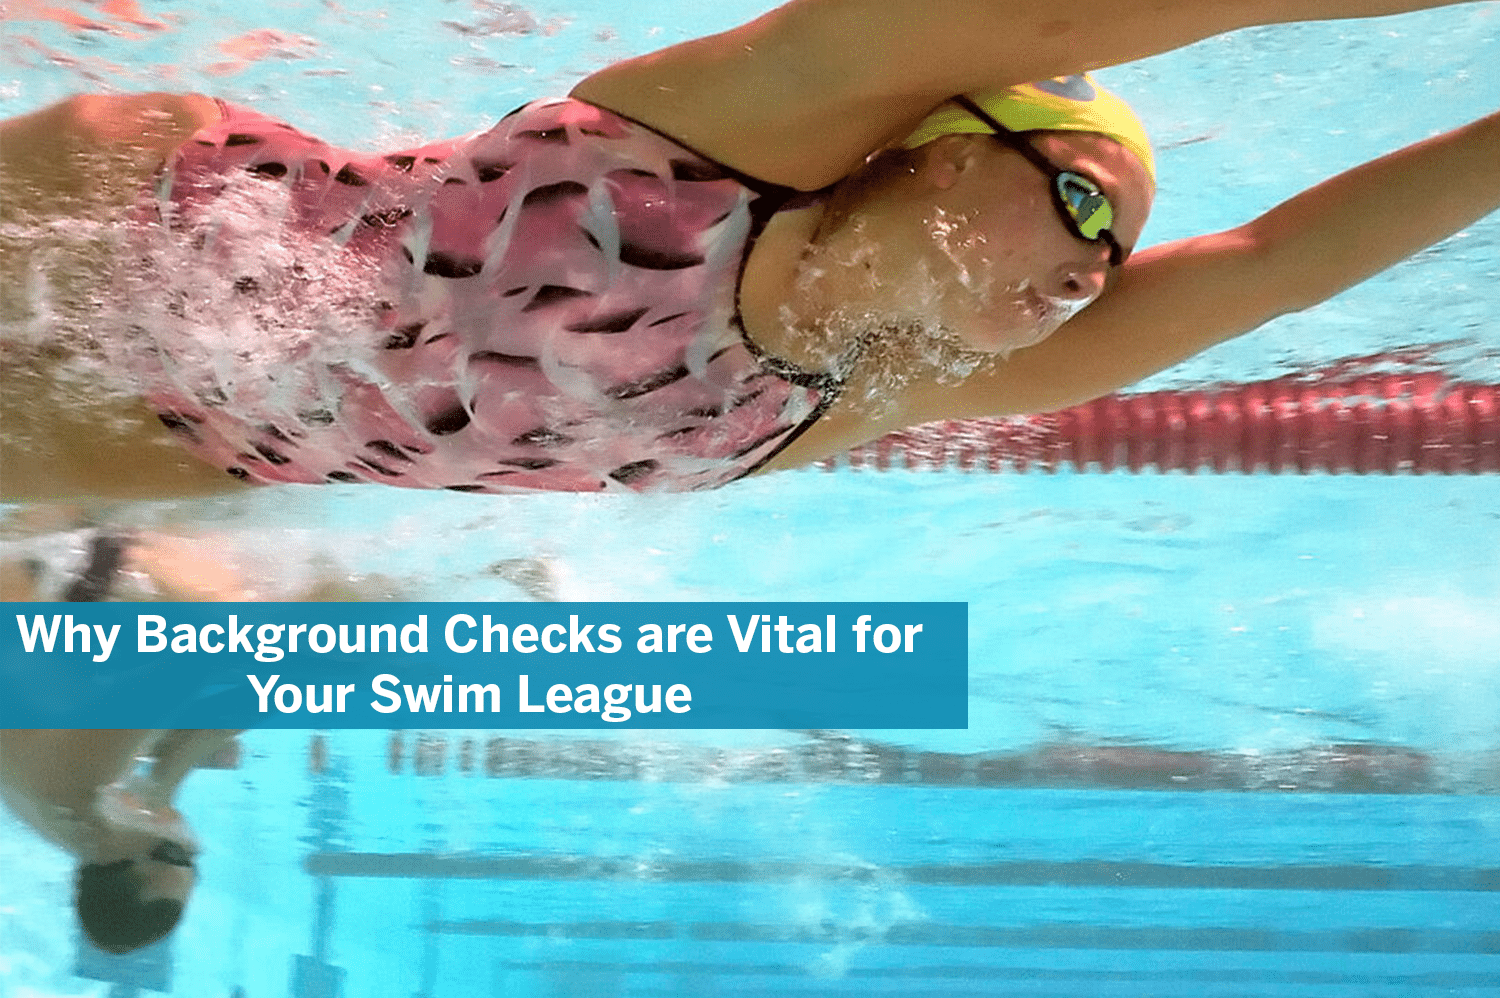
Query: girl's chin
{"x": 1002, "y": 342}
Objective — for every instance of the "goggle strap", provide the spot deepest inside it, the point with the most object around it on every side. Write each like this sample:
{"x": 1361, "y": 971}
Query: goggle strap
{"x": 1013, "y": 139}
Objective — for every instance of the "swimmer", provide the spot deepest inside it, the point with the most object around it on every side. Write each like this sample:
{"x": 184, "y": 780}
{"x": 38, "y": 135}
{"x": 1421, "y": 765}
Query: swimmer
{"x": 739, "y": 254}
{"x": 77, "y": 790}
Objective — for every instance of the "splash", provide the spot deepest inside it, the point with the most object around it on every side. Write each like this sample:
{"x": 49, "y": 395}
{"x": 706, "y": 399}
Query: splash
{"x": 504, "y": 20}
{"x": 878, "y": 350}
{"x": 259, "y": 45}
{"x": 943, "y": 316}
{"x": 53, "y": 297}
{"x": 291, "y": 313}
{"x": 1038, "y": 313}
{"x": 93, "y": 312}
{"x": 115, "y": 17}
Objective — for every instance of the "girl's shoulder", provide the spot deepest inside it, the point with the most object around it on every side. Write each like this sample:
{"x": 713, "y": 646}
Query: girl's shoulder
{"x": 794, "y": 97}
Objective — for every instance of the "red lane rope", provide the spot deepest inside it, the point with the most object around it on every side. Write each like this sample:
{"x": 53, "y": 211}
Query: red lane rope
{"x": 1371, "y": 424}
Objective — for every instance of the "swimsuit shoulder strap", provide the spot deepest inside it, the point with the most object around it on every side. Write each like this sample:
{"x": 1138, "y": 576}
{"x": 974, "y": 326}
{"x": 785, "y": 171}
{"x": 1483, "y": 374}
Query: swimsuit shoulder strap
{"x": 770, "y": 196}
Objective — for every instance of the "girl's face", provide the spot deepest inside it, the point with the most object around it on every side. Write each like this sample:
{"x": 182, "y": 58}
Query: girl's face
{"x": 155, "y": 839}
{"x": 1007, "y": 269}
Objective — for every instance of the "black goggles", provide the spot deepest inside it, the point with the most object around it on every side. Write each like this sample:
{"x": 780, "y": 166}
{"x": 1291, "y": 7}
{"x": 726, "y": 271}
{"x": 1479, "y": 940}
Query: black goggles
{"x": 172, "y": 854}
{"x": 1084, "y": 208}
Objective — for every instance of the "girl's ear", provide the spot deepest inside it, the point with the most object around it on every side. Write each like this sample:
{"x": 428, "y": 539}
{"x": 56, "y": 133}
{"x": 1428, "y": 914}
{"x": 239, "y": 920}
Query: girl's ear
{"x": 946, "y": 159}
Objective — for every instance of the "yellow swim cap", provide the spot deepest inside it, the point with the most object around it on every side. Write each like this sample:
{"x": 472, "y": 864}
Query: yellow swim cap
{"x": 1065, "y": 103}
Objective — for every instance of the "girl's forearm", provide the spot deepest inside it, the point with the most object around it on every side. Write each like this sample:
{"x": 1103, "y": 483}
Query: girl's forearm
{"x": 178, "y": 752}
{"x": 1280, "y": 11}
{"x": 941, "y": 47}
{"x": 1360, "y": 222}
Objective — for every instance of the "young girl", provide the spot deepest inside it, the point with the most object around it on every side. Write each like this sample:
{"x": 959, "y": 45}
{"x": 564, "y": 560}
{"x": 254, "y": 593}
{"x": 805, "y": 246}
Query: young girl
{"x": 742, "y": 253}
{"x": 136, "y": 853}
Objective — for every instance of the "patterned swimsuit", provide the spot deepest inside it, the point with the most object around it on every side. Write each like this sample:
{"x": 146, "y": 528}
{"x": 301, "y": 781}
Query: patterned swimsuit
{"x": 550, "y": 304}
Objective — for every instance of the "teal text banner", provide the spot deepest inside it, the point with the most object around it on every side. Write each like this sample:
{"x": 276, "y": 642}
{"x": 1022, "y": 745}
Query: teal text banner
{"x": 555, "y": 665}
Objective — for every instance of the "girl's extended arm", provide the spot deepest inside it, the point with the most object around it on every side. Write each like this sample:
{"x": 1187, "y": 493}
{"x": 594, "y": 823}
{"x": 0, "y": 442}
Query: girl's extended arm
{"x": 89, "y": 155}
{"x": 803, "y": 94}
{"x": 178, "y": 752}
{"x": 1179, "y": 298}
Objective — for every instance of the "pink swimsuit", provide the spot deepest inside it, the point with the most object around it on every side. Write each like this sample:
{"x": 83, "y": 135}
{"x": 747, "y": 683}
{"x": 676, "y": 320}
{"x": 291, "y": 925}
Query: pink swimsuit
{"x": 550, "y": 304}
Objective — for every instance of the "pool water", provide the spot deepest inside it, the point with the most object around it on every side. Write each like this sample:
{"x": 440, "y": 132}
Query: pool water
{"x": 1229, "y": 735}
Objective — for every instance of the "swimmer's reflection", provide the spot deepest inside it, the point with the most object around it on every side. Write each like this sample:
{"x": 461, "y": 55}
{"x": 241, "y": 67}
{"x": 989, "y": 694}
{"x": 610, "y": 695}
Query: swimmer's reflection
{"x": 81, "y": 790}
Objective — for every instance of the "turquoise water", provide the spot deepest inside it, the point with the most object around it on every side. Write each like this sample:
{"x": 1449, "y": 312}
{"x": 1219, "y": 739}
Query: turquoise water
{"x": 1229, "y": 735}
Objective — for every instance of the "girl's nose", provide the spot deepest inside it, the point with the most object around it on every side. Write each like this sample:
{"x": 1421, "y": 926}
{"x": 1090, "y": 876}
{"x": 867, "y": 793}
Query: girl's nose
{"x": 1078, "y": 280}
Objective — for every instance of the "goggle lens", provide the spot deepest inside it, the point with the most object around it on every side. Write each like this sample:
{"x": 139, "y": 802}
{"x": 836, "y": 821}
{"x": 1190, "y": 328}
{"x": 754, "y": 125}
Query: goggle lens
{"x": 1091, "y": 213}
{"x": 1080, "y": 202}
{"x": 172, "y": 854}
